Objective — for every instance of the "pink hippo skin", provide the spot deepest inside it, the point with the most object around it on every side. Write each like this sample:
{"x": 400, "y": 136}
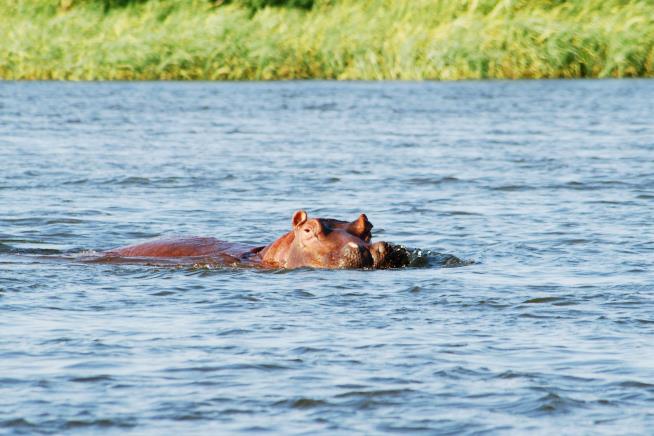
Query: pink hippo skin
{"x": 315, "y": 243}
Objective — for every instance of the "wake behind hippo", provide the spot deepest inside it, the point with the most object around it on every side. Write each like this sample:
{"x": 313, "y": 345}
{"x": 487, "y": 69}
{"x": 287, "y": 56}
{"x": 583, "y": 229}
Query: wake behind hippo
{"x": 312, "y": 242}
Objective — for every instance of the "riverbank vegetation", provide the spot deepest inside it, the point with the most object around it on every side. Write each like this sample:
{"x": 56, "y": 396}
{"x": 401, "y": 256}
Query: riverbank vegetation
{"x": 326, "y": 39}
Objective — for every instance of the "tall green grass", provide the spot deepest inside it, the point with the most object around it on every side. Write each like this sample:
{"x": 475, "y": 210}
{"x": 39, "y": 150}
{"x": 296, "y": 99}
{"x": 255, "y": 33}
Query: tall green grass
{"x": 333, "y": 39}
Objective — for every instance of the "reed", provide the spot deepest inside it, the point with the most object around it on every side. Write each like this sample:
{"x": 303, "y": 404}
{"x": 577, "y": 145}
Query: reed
{"x": 334, "y": 39}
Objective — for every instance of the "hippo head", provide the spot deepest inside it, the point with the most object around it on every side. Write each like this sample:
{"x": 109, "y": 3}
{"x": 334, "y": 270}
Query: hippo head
{"x": 360, "y": 227}
{"x": 327, "y": 243}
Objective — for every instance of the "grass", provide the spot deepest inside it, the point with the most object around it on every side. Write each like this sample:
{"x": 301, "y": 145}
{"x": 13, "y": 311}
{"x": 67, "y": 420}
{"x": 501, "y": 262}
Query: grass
{"x": 335, "y": 39}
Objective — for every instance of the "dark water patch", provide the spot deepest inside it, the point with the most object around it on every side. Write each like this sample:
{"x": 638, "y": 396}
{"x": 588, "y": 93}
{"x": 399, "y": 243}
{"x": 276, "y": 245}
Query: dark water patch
{"x": 644, "y": 321}
{"x": 163, "y": 293}
{"x": 590, "y": 185}
{"x": 432, "y": 181}
{"x": 325, "y": 107}
{"x": 540, "y": 300}
{"x": 385, "y": 393}
{"x": 191, "y": 416}
{"x": 302, "y": 403}
{"x": 130, "y": 181}
{"x": 233, "y": 332}
{"x": 460, "y": 213}
{"x": 512, "y": 374}
{"x": 20, "y": 424}
{"x": 612, "y": 202}
{"x": 266, "y": 367}
{"x": 636, "y": 384}
{"x": 303, "y": 294}
{"x": 99, "y": 423}
{"x": 5, "y": 381}
{"x": 372, "y": 399}
{"x": 39, "y": 254}
{"x": 92, "y": 379}
{"x": 64, "y": 221}
{"x": 575, "y": 241}
{"x": 81, "y": 181}
{"x": 512, "y": 188}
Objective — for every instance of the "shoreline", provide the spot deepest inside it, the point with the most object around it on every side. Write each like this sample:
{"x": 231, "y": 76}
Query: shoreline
{"x": 367, "y": 40}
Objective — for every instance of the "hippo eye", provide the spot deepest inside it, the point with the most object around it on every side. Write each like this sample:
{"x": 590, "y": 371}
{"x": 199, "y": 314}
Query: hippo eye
{"x": 307, "y": 230}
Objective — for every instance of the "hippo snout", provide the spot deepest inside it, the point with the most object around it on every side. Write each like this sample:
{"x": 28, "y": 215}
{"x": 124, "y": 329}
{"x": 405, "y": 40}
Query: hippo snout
{"x": 380, "y": 251}
{"x": 354, "y": 255}
{"x": 386, "y": 255}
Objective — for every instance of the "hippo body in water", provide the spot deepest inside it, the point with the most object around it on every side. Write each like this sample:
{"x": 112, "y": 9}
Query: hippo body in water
{"x": 315, "y": 243}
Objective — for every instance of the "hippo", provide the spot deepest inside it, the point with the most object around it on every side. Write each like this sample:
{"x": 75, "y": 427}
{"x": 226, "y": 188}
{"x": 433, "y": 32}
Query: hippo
{"x": 312, "y": 242}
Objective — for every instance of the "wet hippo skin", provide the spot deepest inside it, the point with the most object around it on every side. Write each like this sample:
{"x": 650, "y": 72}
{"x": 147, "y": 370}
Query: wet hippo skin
{"x": 312, "y": 242}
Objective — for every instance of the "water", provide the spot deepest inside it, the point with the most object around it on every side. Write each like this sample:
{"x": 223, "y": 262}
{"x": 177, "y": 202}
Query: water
{"x": 547, "y": 186}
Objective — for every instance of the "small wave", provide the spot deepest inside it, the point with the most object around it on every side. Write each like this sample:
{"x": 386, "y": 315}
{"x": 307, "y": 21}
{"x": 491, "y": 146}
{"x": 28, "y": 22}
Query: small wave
{"x": 133, "y": 181}
{"x": 460, "y": 213}
{"x": 266, "y": 367}
{"x": 431, "y": 181}
{"x": 460, "y": 373}
{"x": 163, "y": 293}
{"x": 384, "y": 393}
{"x": 636, "y": 384}
{"x": 92, "y": 379}
{"x": 309, "y": 350}
{"x": 64, "y": 221}
{"x": 364, "y": 399}
{"x": 302, "y": 403}
{"x": 512, "y": 188}
{"x": 17, "y": 423}
{"x": 553, "y": 404}
{"x": 547, "y": 405}
{"x": 22, "y": 424}
{"x": 320, "y": 107}
{"x": 102, "y": 423}
{"x": 541, "y": 300}
{"x": 31, "y": 251}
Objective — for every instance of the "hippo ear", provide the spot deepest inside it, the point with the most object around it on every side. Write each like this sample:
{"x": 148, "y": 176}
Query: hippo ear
{"x": 360, "y": 227}
{"x": 299, "y": 218}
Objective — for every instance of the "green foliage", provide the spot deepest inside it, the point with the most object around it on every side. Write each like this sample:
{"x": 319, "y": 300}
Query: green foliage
{"x": 108, "y": 4}
{"x": 254, "y": 5}
{"x": 260, "y": 4}
{"x": 104, "y": 5}
{"x": 334, "y": 39}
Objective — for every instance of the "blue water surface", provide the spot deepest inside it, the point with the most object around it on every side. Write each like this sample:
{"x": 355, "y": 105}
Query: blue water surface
{"x": 548, "y": 186}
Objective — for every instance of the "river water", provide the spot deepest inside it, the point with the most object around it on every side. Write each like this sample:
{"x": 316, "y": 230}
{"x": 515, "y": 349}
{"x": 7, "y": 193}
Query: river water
{"x": 547, "y": 186}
